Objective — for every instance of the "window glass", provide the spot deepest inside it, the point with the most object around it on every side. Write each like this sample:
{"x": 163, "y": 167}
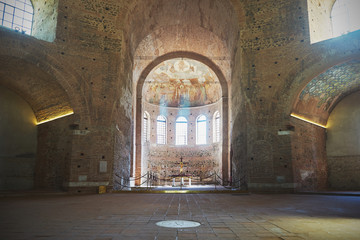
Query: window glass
{"x": 345, "y": 17}
{"x": 181, "y": 131}
{"x": 161, "y": 130}
{"x": 216, "y": 127}
{"x": 146, "y": 127}
{"x": 201, "y": 130}
{"x": 17, "y": 15}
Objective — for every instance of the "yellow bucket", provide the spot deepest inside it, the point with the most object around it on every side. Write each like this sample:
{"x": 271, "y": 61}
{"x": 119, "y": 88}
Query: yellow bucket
{"x": 102, "y": 189}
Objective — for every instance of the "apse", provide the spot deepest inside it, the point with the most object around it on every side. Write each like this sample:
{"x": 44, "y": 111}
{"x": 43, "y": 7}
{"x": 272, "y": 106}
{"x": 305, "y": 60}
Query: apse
{"x": 181, "y": 127}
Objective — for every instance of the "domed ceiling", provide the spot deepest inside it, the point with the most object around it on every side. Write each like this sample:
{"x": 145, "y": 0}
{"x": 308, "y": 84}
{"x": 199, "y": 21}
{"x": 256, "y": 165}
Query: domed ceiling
{"x": 181, "y": 82}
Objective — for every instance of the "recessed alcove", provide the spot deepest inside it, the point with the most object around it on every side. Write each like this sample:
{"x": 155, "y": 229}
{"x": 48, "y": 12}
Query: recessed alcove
{"x": 18, "y": 137}
{"x": 181, "y": 109}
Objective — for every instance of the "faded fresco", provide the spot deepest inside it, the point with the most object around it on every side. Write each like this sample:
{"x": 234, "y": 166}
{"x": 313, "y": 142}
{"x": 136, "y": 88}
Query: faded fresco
{"x": 330, "y": 84}
{"x": 182, "y": 83}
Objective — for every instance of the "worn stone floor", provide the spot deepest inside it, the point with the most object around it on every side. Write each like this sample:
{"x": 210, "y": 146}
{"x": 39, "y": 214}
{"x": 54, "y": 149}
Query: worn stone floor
{"x": 222, "y": 216}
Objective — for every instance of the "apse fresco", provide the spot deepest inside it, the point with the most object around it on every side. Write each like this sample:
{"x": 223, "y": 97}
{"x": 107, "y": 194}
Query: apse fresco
{"x": 182, "y": 83}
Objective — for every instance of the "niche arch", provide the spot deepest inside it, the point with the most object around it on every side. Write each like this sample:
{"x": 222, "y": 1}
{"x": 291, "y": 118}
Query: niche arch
{"x": 48, "y": 100}
{"x": 311, "y": 108}
{"x": 18, "y": 138}
{"x": 342, "y": 144}
{"x": 63, "y": 75}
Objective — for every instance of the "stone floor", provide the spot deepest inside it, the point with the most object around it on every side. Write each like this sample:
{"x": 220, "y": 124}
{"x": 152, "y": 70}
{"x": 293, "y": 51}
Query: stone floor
{"x": 222, "y": 216}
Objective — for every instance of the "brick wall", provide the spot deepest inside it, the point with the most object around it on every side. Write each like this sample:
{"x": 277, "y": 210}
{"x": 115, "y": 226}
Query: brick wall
{"x": 262, "y": 49}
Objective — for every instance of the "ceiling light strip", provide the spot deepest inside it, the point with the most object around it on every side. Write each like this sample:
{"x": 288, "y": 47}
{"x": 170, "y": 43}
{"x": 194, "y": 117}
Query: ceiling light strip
{"x": 307, "y": 120}
{"x": 52, "y": 119}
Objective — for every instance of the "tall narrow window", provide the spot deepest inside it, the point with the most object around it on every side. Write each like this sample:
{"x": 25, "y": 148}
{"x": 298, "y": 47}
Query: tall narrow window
{"x": 345, "y": 16}
{"x": 216, "y": 127}
{"x": 201, "y": 130}
{"x": 17, "y": 15}
{"x": 161, "y": 130}
{"x": 146, "y": 125}
{"x": 181, "y": 131}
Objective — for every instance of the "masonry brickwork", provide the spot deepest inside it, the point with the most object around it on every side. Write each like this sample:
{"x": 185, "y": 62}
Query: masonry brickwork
{"x": 94, "y": 59}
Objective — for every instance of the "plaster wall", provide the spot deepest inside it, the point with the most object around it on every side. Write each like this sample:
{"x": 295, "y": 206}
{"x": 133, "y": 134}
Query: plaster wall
{"x": 45, "y": 19}
{"x": 319, "y": 12}
{"x": 18, "y": 142}
{"x": 343, "y": 144}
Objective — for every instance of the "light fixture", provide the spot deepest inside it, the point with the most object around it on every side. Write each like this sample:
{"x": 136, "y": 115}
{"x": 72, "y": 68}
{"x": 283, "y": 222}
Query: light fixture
{"x": 176, "y": 191}
{"x": 307, "y": 120}
{"x": 54, "y": 118}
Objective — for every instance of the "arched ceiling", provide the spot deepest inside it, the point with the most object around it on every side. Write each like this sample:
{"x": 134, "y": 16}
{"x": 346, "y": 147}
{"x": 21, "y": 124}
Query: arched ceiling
{"x": 216, "y": 16}
{"x": 181, "y": 83}
{"x": 46, "y": 97}
{"x": 322, "y": 93}
{"x": 209, "y": 28}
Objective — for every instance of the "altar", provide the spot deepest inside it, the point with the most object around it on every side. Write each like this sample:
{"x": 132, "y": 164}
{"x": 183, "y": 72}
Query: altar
{"x": 181, "y": 176}
{"x": 176, "y": 178}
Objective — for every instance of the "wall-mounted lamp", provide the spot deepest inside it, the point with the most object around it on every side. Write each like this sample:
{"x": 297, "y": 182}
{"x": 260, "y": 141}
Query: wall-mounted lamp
{"x": 307, "y": 120}
{"x": 54, "y": 118}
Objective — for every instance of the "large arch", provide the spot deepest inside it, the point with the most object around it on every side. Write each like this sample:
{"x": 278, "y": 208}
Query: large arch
{"x": 225, "y": 99}
{"x": 29, "y": 51}
{"x": 313, "y": 103}
{"x": 218, "y": 17}
{"x": 209, "y": 28}
{"x": 29, "y": 82}
{"x": 318, "y": 97}
{"x": 18, "y": 142}
{"x": 48, "y": 101}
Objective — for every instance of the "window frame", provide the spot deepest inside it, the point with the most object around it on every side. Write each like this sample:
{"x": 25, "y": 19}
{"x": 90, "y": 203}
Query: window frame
{"x": 216, "y": 127}
{"x": 161, "y": 130}
{"x": 342, "y": 15}
{"x": 181, "y": 131}
{"x": 146, "y": 126}
{"x": 201, "y": 138}
{"x": 15, "y": 12}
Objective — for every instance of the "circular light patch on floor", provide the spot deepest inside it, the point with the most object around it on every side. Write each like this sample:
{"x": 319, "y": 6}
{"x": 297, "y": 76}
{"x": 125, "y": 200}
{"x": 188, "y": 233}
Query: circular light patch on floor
{"x": 178, "y": 224}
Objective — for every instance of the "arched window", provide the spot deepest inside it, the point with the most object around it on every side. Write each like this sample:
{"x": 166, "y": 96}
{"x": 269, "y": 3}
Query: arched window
{"x": 17, "y": 15}
{"x": 181, "y": 131}
{"x": 161, "y": 130}
{"x": 345, "y": 16}
{"x": 146, "y": 124}
{"x": 201, "y": 130}
{"x": 216, "y": 127}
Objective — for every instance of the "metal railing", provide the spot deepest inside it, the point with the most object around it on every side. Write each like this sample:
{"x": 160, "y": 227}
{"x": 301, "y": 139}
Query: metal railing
{"x": 150, "y": 180}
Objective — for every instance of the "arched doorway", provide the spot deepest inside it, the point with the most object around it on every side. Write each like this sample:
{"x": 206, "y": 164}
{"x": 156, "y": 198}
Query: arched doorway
{"x": 181, "y": 97}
